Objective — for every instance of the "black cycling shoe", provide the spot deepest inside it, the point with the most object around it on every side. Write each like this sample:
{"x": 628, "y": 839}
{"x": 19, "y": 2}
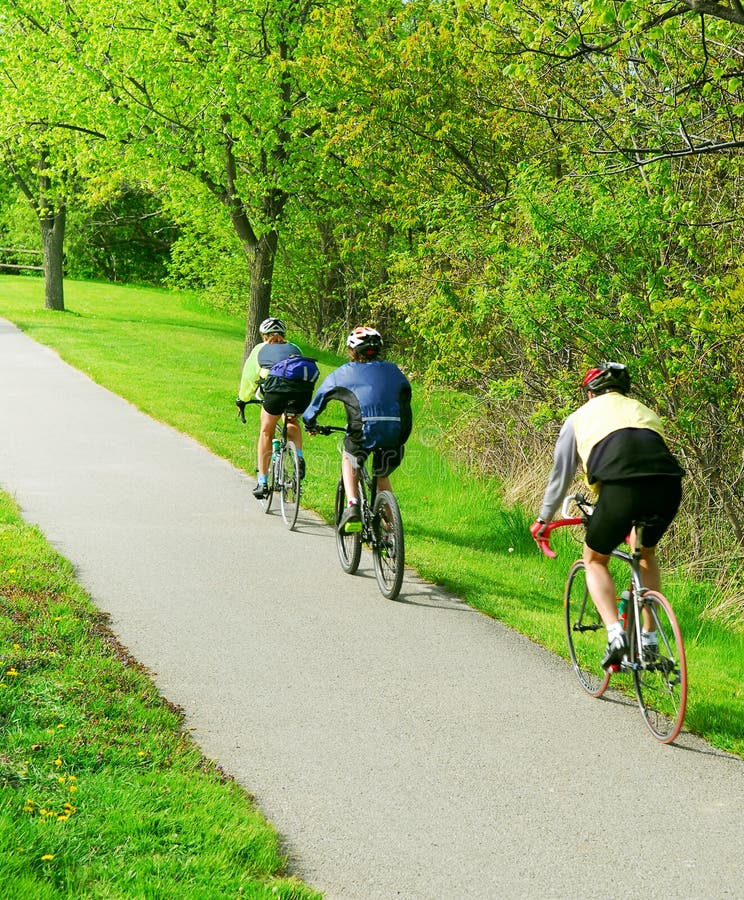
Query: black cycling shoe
{"x": 614, "y": 652}
{"x": 301, "y": 466}
{"x": 351, "y": 517}
{"x": 261, "y": 491}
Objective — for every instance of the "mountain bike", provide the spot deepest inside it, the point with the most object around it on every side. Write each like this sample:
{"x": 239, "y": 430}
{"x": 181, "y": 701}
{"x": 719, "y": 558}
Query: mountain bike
{"x": 283, "y": 476}
{"x": 381, "y": 529}
{"x": 659, "y": 671}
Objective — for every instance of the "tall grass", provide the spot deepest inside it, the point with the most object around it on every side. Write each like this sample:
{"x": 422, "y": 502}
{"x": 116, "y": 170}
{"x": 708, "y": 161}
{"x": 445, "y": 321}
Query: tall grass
{"x": 180, "y": 362}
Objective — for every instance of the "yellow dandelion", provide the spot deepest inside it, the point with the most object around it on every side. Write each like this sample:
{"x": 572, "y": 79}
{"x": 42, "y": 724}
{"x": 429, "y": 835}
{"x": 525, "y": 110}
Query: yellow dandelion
{"x": 63, "y": 818}
{"x": 61, "y": 725}
{"x": 61, "y": 780}
{"x": 16, "y": 646}
{"x": 57, "y": 762}
{"x": 12, "y": 672}
{"x": 47, "y": 856}
{"x": 73, "y": 788}
{"x": 73, "y": 777}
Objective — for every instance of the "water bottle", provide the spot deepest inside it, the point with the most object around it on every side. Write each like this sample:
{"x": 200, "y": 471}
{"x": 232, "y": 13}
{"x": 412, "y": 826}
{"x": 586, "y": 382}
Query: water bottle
{"x": 275, "y": 447}
{"x": 622, "y": 608}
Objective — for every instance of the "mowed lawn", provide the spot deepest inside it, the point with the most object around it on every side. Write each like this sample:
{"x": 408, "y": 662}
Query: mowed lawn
{"x": 179, "y": 360}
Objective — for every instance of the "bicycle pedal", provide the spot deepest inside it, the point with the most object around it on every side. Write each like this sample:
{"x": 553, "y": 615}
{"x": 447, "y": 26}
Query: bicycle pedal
{"x": 352, "y": 527}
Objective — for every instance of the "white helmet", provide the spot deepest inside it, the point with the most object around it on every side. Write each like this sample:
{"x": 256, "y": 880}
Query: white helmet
{"x": 272, "y": 326}
{"x": 364, "y": 338}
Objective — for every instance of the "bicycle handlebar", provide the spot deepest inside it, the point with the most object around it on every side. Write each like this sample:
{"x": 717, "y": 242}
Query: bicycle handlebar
{"x": 241, "y": 404}
{"x": 328, "y": 429}
{"x": 541, "y": 535}
{"x": 543, "y": 538}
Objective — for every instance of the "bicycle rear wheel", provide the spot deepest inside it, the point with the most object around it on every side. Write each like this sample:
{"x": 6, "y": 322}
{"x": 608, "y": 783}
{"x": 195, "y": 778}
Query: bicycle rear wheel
{"x": 290, "y": 484}
{"x": 388, "y": 550}
{"x": 660, "y": 676}
{"x": 585, "y": 632}
{"x": 349, "y": 546}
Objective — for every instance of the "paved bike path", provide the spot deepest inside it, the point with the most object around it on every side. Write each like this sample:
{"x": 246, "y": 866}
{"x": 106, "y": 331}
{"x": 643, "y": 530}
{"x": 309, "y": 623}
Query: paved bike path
{"x": 414, "y": 749}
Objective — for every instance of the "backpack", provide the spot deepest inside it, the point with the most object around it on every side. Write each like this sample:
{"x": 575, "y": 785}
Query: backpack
{"x": 296, "y": 368}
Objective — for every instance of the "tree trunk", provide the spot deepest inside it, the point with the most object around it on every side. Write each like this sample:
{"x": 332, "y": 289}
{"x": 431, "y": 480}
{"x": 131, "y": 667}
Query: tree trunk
{"x": 261, "y": 263}
{"x": 52, "y": 241}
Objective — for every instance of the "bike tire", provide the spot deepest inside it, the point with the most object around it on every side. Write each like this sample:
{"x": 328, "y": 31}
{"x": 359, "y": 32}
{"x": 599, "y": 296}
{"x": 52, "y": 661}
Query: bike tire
{"x": 388, "y": 545}
{"x": 271, "y": 482}
{"x": 349, "y": 546}
{"x": 585, "y": 632}
{"x": 290, "y": 484}
{"x": 661, "y": 682}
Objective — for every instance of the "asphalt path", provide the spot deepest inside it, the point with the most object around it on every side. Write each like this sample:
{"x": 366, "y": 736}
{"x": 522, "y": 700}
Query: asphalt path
{"x": 410, "y": 749}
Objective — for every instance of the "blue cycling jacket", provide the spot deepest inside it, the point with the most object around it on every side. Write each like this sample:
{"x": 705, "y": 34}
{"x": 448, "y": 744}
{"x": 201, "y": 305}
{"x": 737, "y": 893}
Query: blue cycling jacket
{"x": 377, "y": 397}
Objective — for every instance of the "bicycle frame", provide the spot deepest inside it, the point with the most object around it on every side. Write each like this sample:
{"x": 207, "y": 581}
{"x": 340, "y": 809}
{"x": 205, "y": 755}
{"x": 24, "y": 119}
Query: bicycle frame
{"x": 290, "y": 491}
{"x": 381, "y": 529}
{"x": 659, "y": 669}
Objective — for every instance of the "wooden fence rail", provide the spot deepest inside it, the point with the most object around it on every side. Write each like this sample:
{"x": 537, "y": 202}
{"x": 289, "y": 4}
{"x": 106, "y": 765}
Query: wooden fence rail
{"x": 25, "y": 266}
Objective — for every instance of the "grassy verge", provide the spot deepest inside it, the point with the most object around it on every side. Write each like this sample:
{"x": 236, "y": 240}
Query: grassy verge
{"x": 102, "y": 794}
{"x": 180, "y": 362}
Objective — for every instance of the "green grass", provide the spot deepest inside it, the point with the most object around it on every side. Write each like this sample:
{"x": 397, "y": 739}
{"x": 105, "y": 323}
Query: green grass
{"x": 180, "y": 361}
{"x": 102, "y": 794}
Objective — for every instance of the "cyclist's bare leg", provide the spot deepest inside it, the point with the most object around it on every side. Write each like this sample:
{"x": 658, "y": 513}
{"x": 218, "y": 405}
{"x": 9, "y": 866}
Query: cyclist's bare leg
{"x": 349, "y": 474}
{"x": 651, "y": 579}
{"x": 268, "y": 424}
{"x": 600, "y": 585}
{"x": 383, "y": 483}
{"x": 294, "y": 432}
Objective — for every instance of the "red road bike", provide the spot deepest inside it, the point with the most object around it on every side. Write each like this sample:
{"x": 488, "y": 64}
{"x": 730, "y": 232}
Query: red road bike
{"x": 659, "y": 670}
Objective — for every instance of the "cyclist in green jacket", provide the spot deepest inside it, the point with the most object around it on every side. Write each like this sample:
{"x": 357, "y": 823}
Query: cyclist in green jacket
{"x": 620, "y": 443}
{"x": 277, "y": 396}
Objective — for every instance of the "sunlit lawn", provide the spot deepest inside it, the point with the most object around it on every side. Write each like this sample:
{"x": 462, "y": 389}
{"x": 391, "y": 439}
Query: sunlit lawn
{"x": 180, "y": 361}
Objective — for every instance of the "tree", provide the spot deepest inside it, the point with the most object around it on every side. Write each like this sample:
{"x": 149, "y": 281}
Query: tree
{"x": 39, "y": 144}
{"x": 233, "y": 129}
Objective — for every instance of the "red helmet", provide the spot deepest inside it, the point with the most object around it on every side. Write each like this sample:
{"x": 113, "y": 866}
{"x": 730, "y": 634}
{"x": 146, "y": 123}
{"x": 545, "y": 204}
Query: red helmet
{"x": 607, "y": 376}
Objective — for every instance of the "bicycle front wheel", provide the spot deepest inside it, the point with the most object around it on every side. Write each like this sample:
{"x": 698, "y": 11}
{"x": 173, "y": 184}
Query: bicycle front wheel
{"x": 585, "y": 632}
{"x": 660, "y": 673}
{"x": 271, "y": 483}
{"x": 289, "y": 470}
{"x": 349, "y": 546}
{"x": 388, "y": 550}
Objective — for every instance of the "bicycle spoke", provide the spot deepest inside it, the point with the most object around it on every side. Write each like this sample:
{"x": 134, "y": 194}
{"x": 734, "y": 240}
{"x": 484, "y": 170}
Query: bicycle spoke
{"x": 660, "y": 677}
{"x": 290, "y": 485}
{"x": 348, "y": 546}
{"x": 387, "y": 544}
{"x": 271, "y": 481}
{"x": 585, "y": 632}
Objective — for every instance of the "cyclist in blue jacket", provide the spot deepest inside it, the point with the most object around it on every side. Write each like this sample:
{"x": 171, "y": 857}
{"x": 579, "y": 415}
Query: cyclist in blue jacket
{"x": 377, "y": 398}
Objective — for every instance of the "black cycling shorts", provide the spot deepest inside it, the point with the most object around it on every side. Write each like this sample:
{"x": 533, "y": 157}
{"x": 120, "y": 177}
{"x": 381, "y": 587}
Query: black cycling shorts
{"x": 282, "y": 395}
{"x": 621, "y": 503}
{"x": 384, "y": 459}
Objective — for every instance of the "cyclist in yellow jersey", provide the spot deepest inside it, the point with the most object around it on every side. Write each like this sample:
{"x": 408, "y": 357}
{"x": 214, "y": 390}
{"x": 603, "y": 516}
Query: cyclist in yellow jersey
{"x": 620, "y": 444}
